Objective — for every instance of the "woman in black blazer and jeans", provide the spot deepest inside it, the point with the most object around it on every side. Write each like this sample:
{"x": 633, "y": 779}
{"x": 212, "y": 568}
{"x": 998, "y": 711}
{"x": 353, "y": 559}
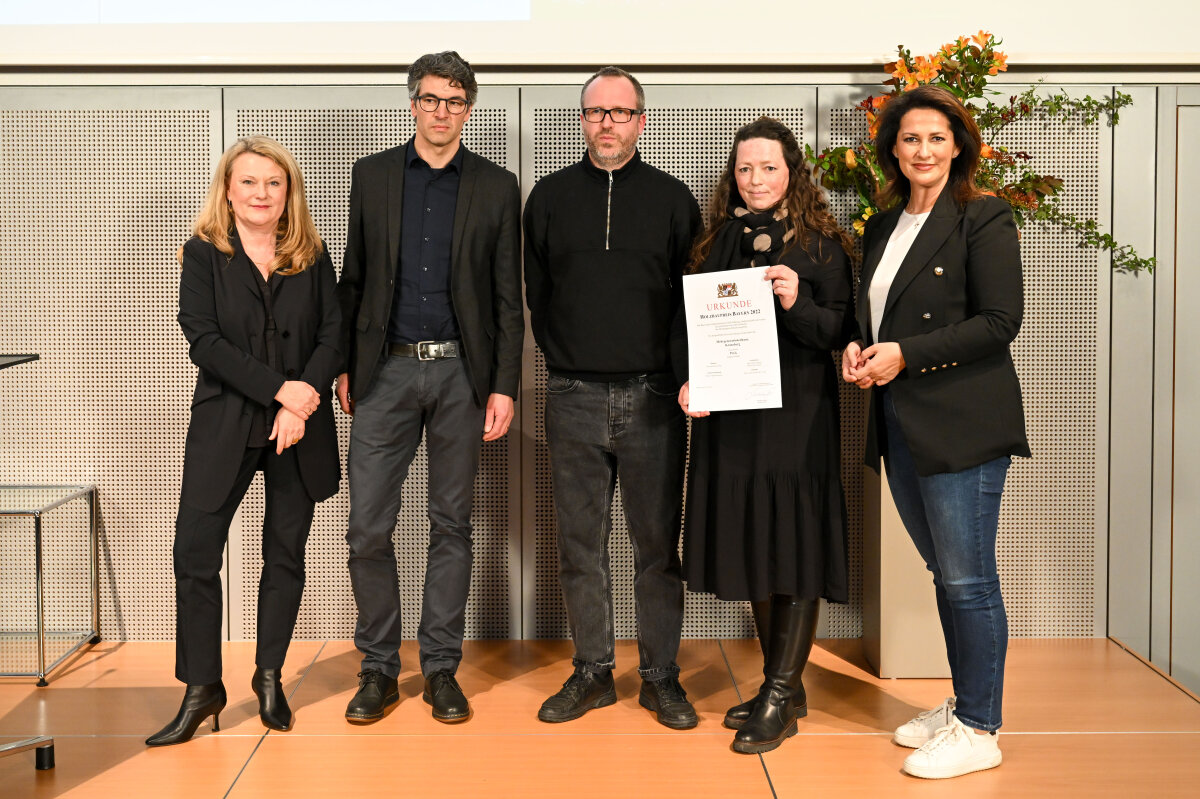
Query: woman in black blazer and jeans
{"x": 257, "y": 305}
{"x": 939, "y": 303}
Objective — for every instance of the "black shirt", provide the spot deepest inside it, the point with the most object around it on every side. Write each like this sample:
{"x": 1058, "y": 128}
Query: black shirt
{"x": 263, "y": 418}
{"x": 422, "y": 309}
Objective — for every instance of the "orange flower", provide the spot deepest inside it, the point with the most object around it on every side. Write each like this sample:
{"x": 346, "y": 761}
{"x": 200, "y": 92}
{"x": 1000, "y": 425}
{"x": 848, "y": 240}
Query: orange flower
{"x": 947, "y": 50}
{"x": 963, "y": 41}
{"x": 999, "y": 63}
{"x": 986, "y": 151}
{"x": 982, "y": 38}
{"x": 901, "y": 72}
{"x": 927, "y": 68}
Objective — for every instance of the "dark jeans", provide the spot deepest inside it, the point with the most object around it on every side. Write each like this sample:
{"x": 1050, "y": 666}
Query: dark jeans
{"x": 596, "y": 432}
{"x": 952, "y": 519}
{"x": 411, "y": 397}
{"x": 199, "y": 544}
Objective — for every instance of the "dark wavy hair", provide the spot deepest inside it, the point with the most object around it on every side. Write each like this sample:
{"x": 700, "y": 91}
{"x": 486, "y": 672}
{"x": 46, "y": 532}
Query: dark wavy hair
{"x": 966, "y": 135}
{"x": 447, "y": 64}
{"x": 808, "y": 212}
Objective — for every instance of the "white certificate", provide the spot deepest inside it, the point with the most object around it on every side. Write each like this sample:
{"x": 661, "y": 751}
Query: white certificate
{"x": 733, "y": 346}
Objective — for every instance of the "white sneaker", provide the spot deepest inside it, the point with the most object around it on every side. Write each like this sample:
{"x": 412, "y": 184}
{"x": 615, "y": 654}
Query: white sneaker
{"x": 953, "y": 751}
{"x": 917, "y": 732}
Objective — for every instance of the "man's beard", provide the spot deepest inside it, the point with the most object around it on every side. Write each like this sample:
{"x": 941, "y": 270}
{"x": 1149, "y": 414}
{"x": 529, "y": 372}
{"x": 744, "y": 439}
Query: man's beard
{"x": 605, "y": 160}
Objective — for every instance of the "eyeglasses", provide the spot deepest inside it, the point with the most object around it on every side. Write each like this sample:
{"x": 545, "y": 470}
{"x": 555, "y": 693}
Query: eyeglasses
{"x": 617, "y": 115}
{"x": 430, "y": 103}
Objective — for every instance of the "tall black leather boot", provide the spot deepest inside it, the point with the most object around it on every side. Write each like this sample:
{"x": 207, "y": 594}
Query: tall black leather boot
{"x": 736, "y": 716}
{"x": 273, "y": 709}
{"x": 781, "y": 700}
{"x": 199, "y": 702}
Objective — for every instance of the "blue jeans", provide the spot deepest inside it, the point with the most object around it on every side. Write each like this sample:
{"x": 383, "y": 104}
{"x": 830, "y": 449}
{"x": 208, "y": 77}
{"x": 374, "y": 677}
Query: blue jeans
{"x": 952, "y": 520}
{"x": 596, "y": 432}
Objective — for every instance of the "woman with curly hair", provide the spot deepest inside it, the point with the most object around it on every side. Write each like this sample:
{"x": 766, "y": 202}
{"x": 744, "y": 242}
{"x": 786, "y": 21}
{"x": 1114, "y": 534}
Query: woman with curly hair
{"x": 766, "y": 516}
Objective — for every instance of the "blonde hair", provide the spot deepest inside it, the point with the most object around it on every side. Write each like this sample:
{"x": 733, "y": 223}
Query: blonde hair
{"x": 297, "y": 243}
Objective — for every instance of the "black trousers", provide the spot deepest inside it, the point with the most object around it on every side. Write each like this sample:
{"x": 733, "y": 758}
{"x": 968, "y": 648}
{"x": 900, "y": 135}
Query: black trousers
{"x": 199, "y": 543}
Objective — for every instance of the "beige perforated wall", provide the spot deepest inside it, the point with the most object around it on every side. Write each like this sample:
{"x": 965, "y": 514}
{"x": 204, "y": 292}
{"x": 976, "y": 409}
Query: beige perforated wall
{"x": 98, "y": 187}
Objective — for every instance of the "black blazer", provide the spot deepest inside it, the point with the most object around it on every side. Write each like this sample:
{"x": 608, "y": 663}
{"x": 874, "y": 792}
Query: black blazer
{"x": 221, "y": 313}
{"x": 954, "y": 307}
{"x": 485, "y": 271}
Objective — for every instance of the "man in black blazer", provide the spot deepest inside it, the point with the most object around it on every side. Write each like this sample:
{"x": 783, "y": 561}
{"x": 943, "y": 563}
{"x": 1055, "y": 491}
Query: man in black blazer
{"x": 432, "y": 326}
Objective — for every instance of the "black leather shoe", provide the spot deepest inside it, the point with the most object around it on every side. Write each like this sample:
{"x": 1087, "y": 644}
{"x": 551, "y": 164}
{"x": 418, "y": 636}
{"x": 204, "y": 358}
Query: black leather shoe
{"x": 582, "y": 691}
{"x": 273, "y": 709}
{"x": 773, "y": 717}
{"x": 199, "y": 702}
{"x": 668, "y": 700}
{"x": 448, "y": 701}
{"x": 376, "y": 691}
{"x": 736, "y": 716}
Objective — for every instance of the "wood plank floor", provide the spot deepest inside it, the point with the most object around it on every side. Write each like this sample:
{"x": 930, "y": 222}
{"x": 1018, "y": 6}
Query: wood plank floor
{"x": 1083, "y": 718}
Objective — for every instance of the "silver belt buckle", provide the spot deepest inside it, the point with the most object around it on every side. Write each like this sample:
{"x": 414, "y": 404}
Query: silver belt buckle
{"x": 424, "y": 347}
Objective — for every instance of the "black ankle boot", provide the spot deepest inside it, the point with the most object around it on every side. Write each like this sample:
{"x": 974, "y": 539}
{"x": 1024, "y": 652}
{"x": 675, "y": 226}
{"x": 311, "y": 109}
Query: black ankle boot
{"x": 736, "y": 716}
{"x": 781, "y": 699}
{"x": 199, "y": 702}
{"x": 273, "y": 709}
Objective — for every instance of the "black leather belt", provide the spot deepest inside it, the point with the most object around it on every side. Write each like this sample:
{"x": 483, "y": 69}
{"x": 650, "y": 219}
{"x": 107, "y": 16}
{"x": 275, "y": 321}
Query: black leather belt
{"x": 425, "y": 350}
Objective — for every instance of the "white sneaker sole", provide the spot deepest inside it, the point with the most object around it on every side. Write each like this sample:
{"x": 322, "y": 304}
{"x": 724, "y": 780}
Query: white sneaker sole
{"x": 910, "y": 741}
{"x": 959, "y": 769}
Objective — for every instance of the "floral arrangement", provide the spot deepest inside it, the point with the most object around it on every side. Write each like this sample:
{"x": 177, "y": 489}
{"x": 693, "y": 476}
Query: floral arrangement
{"x": 964, "y": 67}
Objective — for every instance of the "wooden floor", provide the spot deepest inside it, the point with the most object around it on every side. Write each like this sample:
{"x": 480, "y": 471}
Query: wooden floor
{"x": 1082, "y": 718}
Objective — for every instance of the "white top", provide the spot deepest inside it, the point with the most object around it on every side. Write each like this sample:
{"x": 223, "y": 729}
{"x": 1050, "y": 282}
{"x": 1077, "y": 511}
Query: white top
{"x": 893, "y": 255}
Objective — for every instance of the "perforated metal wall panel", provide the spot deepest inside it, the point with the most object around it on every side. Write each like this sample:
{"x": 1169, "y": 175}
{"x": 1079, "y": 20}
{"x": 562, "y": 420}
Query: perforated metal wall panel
{"x": 1049, "y": 524}
{"x": 688, "y": 134}
{"x": 327, "y": 130}
{"x": 98, "y": 188}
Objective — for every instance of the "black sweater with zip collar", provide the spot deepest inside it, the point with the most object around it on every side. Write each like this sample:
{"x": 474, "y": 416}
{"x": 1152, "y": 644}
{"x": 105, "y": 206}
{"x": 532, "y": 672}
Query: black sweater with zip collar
{"x": 604, "y": 255}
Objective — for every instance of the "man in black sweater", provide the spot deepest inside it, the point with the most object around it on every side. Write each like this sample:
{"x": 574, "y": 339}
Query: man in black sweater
{"x": 605, "y": 244}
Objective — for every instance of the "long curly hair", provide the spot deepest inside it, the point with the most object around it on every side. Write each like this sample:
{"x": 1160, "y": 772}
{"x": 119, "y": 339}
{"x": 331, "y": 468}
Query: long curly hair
{"x": 807, "y": 209}
{"x": 297, "y": 243}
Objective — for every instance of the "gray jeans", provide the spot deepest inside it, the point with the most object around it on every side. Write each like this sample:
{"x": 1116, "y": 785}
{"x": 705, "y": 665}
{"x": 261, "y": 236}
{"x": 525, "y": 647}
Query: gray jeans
{"x": 596, "y": 432}
{"x": 410, "y": 397}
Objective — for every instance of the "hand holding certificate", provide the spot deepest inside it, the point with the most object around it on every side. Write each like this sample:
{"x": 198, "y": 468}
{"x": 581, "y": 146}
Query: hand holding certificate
{"x": 733, "y": 345}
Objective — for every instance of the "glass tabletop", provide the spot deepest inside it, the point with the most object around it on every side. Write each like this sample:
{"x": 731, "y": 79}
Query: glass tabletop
{"x": 13, "y": 360}
{"x": 18, "y": 500}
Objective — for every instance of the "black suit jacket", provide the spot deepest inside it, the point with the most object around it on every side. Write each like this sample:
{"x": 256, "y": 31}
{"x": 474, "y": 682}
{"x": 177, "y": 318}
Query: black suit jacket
{"x": 221, "y": 313}
{"x": 954, "y": 307}
{"x": 485, "y": 270}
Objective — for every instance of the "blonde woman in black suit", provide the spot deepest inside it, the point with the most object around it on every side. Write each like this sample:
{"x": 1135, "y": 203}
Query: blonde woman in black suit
{"x": 257, "y": 304}
{"x": 939, "y": 303}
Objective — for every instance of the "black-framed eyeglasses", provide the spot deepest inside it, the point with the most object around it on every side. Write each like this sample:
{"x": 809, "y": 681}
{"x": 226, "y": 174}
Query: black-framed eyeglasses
{"x": 617, "y": 115}
{"x": 430, "y": 103}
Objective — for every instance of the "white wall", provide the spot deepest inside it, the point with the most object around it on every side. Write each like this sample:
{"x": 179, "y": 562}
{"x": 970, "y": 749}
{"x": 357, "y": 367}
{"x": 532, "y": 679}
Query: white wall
{"x": 635, "y": 32}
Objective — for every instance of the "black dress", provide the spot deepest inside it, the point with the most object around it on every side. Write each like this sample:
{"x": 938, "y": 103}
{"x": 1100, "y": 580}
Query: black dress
{"x": 765, "y": 509}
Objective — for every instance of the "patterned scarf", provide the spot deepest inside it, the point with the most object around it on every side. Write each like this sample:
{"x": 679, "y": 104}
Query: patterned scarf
{"x": 764, "y": 234}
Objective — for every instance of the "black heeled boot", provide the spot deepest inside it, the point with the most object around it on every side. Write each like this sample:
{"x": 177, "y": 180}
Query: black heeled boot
{"x": 736, "y": 716}
{"x": 273, "y": 709}
{"x": 199, "y": 702}
{"x": 781, "y": 700}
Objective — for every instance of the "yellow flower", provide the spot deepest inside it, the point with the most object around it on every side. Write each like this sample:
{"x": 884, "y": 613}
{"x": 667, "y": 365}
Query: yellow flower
{"x": 867, "y": 214}
{"x": 859, "y": 226}
{"x": 851, "y": 161}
